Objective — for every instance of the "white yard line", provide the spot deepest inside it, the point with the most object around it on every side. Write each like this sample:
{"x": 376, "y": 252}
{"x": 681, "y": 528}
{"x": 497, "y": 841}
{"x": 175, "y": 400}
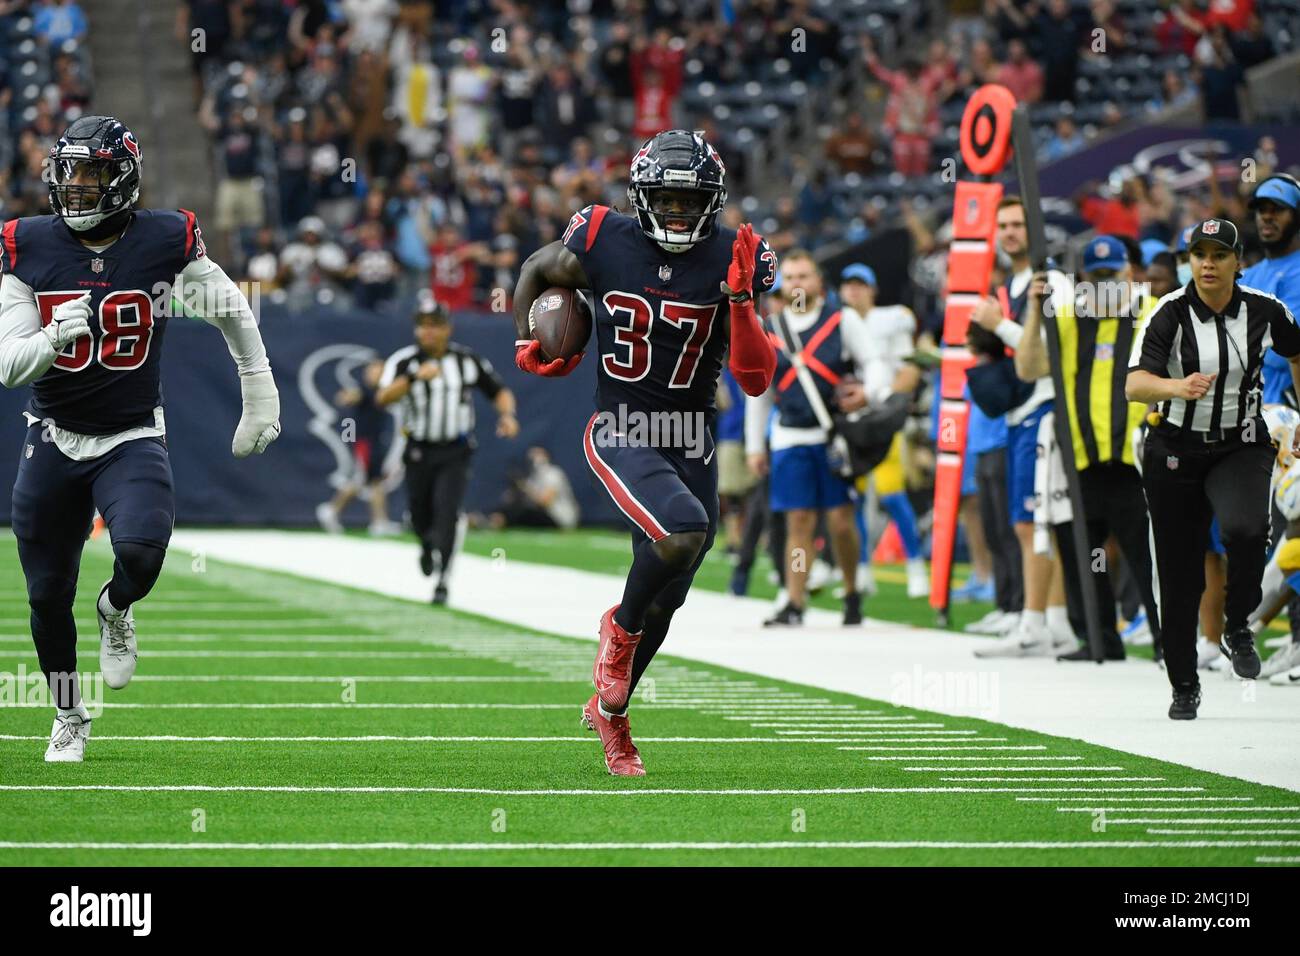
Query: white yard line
{"x": 205, "y": 788}
{"x": 1070, "y": 769}
{"x": 1147, "y": 800}
{"x": 917, "y": 757}
{"x": 1150, "y": 820}
{"x": 1122, "y": 706}
{"x": 711, "y": 846}
{"x": 1226, "y": 832}
{"x": 1045, "y": 779}
{"x": 1250, "y": 809}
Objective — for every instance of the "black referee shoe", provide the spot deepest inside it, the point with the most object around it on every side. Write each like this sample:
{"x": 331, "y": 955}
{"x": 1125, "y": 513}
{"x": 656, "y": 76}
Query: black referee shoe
{"x": 852, "y": 609}
{"x": 440, "y": 593}
{"x": 788, "y": 616}
{"x": 1240, "y": 648}
{"x": 426, "y": 562}
{"x": 1186, "y": 700}
{"x": 1084, "y": 653}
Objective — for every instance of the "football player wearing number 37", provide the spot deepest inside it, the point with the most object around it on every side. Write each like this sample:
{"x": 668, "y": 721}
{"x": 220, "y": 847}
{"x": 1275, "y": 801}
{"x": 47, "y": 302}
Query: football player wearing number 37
{"x": 674, "y": 291}
{"x": 80, "y": 324}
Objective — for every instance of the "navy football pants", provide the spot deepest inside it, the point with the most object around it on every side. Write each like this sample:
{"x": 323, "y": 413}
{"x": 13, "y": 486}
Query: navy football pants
{"x": 54, "y": 500}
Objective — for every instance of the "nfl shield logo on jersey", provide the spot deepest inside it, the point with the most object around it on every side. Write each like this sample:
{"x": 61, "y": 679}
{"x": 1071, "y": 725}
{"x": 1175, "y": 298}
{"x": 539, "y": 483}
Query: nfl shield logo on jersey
{"x": 97, "y": 266}
{"x": 665, "y": 273}
{"x": 1172, "y": 462}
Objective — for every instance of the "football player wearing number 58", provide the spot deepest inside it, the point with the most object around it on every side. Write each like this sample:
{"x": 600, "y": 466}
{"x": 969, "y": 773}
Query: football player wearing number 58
{"x": 673, "y": 291}
{"x": 79, "y": 322}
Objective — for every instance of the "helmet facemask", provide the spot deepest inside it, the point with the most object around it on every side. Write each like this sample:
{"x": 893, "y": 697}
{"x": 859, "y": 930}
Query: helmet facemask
{"x": 676, "y": 217}
{"x": 86, "y": 192}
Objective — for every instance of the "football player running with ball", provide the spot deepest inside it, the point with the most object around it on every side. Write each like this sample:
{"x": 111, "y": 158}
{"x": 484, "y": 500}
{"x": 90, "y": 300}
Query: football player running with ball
{"x": 673, "y": 292}
{"x": 83, "y": 308}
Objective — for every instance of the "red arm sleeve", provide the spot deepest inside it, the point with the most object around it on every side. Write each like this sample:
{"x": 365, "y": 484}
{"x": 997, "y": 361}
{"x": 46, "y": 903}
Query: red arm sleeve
{"x": 752, "y": 359}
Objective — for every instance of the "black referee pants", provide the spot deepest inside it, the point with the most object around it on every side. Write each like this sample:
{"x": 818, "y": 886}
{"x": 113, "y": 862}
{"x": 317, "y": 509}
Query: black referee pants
{"x": 995, "y": 515}
{"x": 436, "y": 478}
{"x": 1113, "y": 502}
{"x": 1188, "y": 483}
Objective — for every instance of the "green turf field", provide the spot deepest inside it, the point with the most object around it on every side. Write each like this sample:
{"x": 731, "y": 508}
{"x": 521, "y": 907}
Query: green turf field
{"x": 275, "y": 720}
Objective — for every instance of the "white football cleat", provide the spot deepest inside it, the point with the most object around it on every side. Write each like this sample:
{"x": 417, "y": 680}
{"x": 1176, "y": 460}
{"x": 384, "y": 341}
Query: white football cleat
{"x": 819, "y": 575}
{"x": 918, "y": 578}
{"x": 117, "y": 650}
{"x": 329, "y": 518}
{"x": 866, "y": 580}
{"x": 1281, "y": 661}
{"x": 68, "y": 739}
{"x": 1289, "y": 678}
{"x": 1207, "y": 653}
{"x": 1022, "y": 642}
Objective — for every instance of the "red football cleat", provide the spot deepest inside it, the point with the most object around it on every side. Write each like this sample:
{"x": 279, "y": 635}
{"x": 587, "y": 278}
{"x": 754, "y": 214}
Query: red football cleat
{"x": 621, "y": 756}
{"x": 612, "y": 672}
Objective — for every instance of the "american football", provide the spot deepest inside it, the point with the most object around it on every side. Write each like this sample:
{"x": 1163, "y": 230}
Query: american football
{"x": 561, "y": 320}
{"x": 682, "y": 434}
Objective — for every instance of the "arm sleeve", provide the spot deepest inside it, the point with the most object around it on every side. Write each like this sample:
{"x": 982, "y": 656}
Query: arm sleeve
{"x": 1286, "y": 336}
{"x": 1009, "y": 332}
{"x": 219, "y": 302}
{"x": 25, "y": 354}
{"x": 758, "y": 409}
{"x": 1152, "y": 344}
{"x": 752, "y": 359}
{"x": 489, "y": 382}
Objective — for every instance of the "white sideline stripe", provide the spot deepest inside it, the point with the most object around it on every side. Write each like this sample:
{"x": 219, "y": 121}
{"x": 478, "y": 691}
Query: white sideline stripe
{"x": 299, "y": 655}
{"x": 419, "y": 738}
{"x": 1178, "y": 809}
{"x": 850, "y": 732}
{"x": 1277, "y": 859}
{"x": 1009, "y": 747}
{"x": 1148, "y": 820}
{"x": 1007, "y": 779}
{"x": 359, "y": 678}
{"x": 791, "y": 719}
{"x": 847, "y": 724}
{"x": 961, "y": 758}
{"x": 1070, "y": 769}
{"x": 1175, "y": 799}
{"x": 204, "y": 788}
{"x": 328, "y": 705}
{"x": 773, "y": 845}
{"x": 1228, "y": 832}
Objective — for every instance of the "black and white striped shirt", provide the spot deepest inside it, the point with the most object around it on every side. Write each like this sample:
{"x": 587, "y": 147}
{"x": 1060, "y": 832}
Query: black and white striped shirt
{"x": 442, "y": 408}
{"x": 1184, "y": 335}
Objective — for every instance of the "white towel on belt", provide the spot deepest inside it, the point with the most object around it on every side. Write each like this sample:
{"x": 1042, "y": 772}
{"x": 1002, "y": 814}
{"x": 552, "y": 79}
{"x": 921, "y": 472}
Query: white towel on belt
{"x": 1051, "y": 493}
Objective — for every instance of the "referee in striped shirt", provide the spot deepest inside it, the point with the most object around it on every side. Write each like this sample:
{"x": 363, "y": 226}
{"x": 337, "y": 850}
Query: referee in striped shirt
{"x": 1208, "y": 453}
{"x": 433, "y": 378}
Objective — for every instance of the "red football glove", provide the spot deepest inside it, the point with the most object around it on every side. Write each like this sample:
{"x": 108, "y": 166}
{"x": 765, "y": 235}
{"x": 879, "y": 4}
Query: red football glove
{"x": 740, "y": 274}
{"x": 528, "y": 358}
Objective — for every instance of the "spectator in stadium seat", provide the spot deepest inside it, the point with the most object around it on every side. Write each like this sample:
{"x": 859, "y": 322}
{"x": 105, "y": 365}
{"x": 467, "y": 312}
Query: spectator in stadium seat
{"x": 1021, "y": 75}
{"x": 293, "y": 155}
{"x": 565, "y": 109}
{"x": 850, "y": 148}
{"x": 1009, "y": 19}
{"x": 1056, "y": 41}
{"x": 1162, "y": 274}
{"x": 212, "y": 18}
{"x": 541, "y": 497}
{"x": 1178, "y": 26}
{"x": 1110, "y": 214}
{"x": 264, "y": 263}
{"x": 239, "y": 189}
{"x": 454, "y": 268}
{"x": 1252, "y": 45}
{"x": 373, "y": 269}
{"x": 417, "y": 92}
{"x": 469, "y": 89}
{"x": 386, "y": 154}
{"x": 1114, "y": 37}
{"x": 1221, "y": 77}
{"x": 1065, "y": 141}
{"x": 1174, "y": 92}
{"x": 911, "y": 114}
{"x": 311, "y": 265}
{"x": 59, "y": 21}
{"x": 656, "y": 71}
{"x": 369, "y": 23}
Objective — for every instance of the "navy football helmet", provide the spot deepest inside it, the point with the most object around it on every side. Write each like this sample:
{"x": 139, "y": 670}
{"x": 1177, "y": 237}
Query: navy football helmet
{"x": 677, "y": 187}
{"x": 96, "y": 176}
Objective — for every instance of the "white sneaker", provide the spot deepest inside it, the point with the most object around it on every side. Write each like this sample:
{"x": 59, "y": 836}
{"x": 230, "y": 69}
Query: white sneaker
{"x": 866, "y": 580}
{"x": 1063, "y": 640}
{"x": 819, "y": 575}
{"x": 68, "y": 739}
{"x": 918, "y": 578}
{"x": 1137, "y": 633}
{"x": 117, "y": 648}
{"x": 1289, "y": 678}
{"x": 1207, "y": 653}
{"x": 328, "y": 518}
{"x": 1281, "y": 661}
{"x": 1279, "y": 640}
{"x": 782, "y": 599}
{"x": 1023, "y": 642}
{"x": 384, "y": 529}
{"x": 989, "y": 624}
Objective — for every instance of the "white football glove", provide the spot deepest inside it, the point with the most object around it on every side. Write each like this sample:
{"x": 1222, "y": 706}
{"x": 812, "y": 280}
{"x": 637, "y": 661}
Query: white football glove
{"x": 70, "y": 321}
{"x": 260, "y": 423}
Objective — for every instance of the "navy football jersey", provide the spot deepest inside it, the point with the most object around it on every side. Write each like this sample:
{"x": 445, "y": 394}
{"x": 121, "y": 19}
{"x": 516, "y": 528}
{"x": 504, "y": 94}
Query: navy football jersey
{"x": 662, "y": 323}
{"x": 109, "y": 382}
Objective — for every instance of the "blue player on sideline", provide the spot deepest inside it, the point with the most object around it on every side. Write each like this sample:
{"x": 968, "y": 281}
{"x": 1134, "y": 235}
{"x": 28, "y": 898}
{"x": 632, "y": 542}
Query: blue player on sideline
{"x": 660, "y": 279}
{"x": 83, "y": 310}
